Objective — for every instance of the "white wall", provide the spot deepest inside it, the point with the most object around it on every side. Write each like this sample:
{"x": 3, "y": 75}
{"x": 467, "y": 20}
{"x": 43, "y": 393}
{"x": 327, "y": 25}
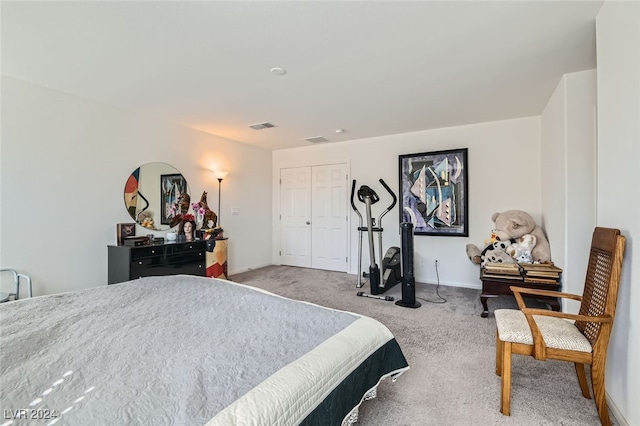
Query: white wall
{"x": 65, "y": 161}
{"x": 553, "y": 126}
{"x": 569, "y": 177}
{"x": 504, "y": 173}
{"x": 618, "y": 205}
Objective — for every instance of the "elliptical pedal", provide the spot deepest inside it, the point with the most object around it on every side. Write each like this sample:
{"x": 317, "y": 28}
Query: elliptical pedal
{"x": 386, "y": 298}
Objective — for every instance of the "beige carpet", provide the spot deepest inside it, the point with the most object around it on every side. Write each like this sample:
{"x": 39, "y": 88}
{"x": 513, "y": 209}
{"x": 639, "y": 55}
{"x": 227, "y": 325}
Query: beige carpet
{"x": 451, "y": 352}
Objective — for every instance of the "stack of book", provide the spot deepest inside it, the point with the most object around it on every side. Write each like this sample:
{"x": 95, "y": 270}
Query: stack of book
{"x": 539, "y": 273}
{"x": 510, "y": 271}
{"x": 542, "y": 273}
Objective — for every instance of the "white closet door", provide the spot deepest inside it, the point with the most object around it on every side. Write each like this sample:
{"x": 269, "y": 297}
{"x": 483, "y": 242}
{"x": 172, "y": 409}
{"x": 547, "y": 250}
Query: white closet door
{"x": 295, "y": 216}
{"x": 329, "y": 217}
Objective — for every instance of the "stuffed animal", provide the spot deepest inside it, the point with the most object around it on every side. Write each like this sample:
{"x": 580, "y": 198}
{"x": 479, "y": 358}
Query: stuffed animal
{"x": 497, "y": 245}
{"x": 494, "y": 245}
{"x": 496, "y": 253}
{"x": 513, "y": 224}
{"x": 493, "y": 238}
{"x": 496, "y": 256}
{"x": 148, "y": 223}
{"x": 522, "y": 248}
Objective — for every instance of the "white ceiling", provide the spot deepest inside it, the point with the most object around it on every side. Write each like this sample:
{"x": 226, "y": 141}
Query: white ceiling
{"x": 370, "y": 68}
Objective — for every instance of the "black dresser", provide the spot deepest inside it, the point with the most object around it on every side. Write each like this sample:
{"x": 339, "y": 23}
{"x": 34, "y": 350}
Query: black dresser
{"x": 129, "y": 263}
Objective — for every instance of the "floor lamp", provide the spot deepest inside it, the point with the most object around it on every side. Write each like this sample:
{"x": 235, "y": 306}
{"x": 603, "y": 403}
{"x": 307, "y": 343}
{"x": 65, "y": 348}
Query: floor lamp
{"x": 220, "y": 174}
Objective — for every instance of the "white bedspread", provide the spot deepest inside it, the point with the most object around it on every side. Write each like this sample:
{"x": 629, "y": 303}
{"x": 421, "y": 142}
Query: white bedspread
{"x": 173, "y": 351}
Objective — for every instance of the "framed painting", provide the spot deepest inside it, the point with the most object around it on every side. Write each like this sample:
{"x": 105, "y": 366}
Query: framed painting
{"x": 171, "y": 187}
{"x": 433, "y": 188}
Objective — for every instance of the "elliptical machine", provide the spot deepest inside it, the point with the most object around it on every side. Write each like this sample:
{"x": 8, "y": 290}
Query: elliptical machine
{"x": 380, "y": 280}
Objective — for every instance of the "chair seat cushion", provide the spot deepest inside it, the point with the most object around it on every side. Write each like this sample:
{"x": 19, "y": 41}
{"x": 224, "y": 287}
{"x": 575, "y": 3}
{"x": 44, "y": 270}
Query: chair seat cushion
{"x": 558, "y": 333}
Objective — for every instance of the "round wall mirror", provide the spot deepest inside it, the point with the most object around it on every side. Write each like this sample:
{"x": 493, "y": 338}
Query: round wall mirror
{"x": 150, "y": 194}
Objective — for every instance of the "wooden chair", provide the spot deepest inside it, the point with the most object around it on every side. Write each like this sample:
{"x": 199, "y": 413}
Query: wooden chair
{"x": 547, "y": 334}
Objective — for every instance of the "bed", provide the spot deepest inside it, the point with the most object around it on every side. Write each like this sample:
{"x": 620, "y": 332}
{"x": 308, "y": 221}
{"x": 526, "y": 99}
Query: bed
{"x": 183, "y": 350}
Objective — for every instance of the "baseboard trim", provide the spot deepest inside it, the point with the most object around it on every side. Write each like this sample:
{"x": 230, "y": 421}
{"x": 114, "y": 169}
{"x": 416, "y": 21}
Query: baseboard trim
{"x": 619, "y": 418}
{"x": 239, "y": 271}
{"x": 450, "y": 284}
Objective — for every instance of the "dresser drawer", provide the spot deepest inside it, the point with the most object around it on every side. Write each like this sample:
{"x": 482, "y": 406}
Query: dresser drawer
{"x": 146, "y": 262}
{"x": 150, "y": 251}
{"x": 176, "y": 267}
{"x": 185, "y": 247}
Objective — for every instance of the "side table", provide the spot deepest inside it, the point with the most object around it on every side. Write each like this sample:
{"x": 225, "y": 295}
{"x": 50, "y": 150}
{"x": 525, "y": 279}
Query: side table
{"x": 494, "y": 287}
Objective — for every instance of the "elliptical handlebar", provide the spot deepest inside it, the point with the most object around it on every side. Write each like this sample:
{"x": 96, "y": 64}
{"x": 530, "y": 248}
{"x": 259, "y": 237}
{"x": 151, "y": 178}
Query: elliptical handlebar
{"x": 353, "y": 205}
{"x": 393, "y": 203}
{"x": 395, "y": 199}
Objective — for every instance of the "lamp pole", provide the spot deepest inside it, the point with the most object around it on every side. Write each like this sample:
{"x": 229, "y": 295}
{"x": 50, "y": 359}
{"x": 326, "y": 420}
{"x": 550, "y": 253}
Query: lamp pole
{"x": 219, "y": 212}
{"x": 220, "y": 174}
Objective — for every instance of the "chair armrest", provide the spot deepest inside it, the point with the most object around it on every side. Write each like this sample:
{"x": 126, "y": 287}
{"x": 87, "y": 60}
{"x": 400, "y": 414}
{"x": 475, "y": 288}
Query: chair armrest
{"x": 536, "y": 292}
{"x": 539, "y": 347}
{"x": 551, "y": 293}
{"x": 565, "y": 315}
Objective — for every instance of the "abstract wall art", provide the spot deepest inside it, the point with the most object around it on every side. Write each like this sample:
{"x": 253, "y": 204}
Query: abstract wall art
{"x": 433, "y": 188}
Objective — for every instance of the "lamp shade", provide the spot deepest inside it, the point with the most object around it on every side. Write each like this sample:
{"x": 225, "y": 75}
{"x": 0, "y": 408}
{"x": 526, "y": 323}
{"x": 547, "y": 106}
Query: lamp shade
{"x": 220, "y": 174}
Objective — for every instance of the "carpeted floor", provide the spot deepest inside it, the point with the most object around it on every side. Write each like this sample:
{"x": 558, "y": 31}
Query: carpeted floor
{"x": 451, "y": 352}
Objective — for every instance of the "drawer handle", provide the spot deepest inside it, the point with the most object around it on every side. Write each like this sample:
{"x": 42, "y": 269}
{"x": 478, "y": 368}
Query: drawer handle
{"x": 190, "y": 247}
{"x": 140, "y": 263}
{"x": 153, "y": 252}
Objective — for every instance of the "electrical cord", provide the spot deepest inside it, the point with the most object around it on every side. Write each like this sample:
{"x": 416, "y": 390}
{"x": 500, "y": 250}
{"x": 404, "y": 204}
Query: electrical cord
{"x": 442, "y": 299}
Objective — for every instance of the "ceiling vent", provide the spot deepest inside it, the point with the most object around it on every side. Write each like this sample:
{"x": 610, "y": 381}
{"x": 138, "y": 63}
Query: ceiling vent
{"x": 317, "y": 139}
{"x": 260, "y": 126}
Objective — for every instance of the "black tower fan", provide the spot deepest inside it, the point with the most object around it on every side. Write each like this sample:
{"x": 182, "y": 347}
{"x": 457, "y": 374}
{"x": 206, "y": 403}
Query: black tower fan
{"x": 408, "y": 280}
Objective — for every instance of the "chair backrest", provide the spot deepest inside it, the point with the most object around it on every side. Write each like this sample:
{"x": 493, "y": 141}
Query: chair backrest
{"x": 603, "y": 279}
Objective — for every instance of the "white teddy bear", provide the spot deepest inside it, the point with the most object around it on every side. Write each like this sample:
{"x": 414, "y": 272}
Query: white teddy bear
{"x": 521, "y": 249}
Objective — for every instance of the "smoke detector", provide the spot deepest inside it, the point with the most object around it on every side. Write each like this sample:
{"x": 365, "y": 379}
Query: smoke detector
{"x": 260, "y": 126}
{"x": 278, "y": 71}
{"x": 317, "y": 139}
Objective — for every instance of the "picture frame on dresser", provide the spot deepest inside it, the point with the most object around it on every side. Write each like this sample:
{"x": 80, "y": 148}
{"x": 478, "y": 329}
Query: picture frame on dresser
{"x": 124, "y": 230}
